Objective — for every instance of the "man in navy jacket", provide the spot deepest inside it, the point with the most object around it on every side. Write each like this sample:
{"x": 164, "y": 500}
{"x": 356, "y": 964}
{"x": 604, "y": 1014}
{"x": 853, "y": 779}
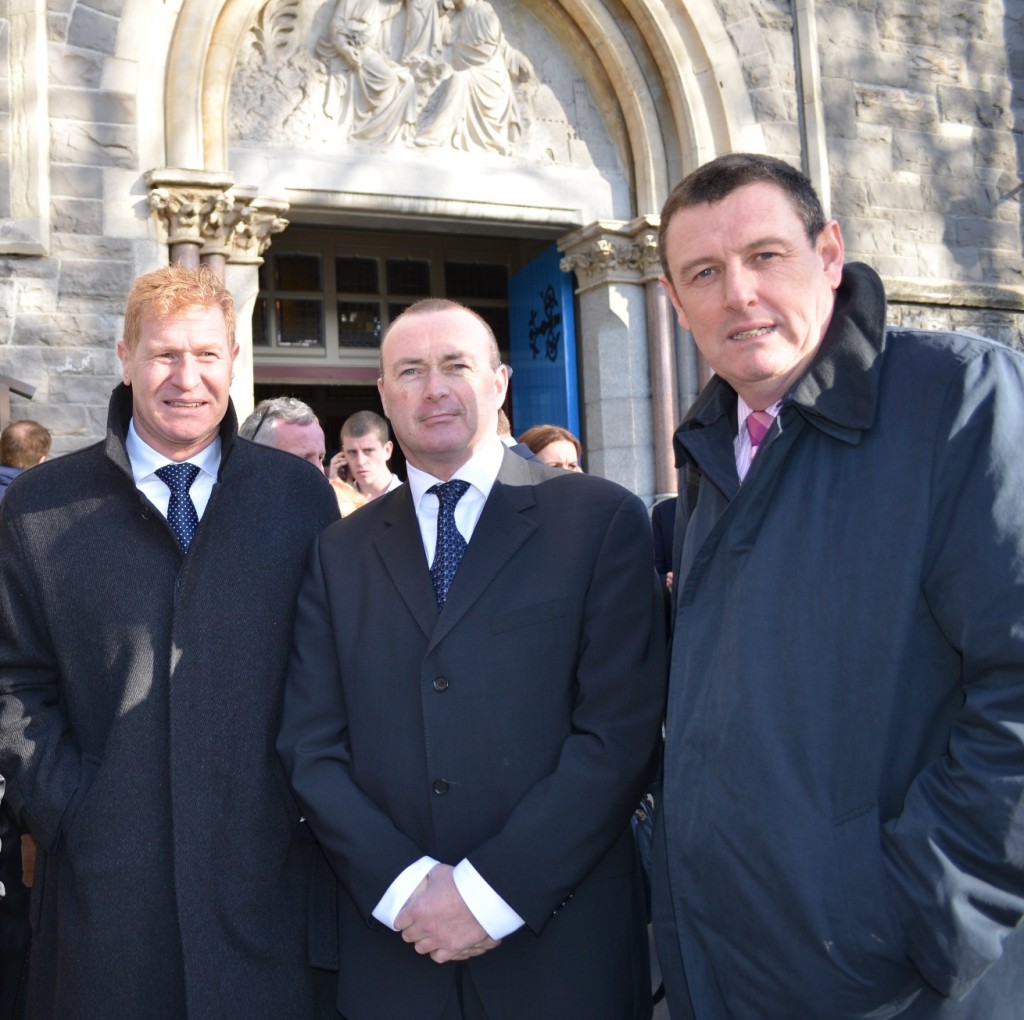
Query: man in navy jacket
{"x": 841, "y": 832}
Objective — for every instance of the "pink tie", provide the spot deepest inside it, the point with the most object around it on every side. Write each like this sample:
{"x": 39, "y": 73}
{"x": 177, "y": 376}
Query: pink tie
{"x": 758, "y": 424}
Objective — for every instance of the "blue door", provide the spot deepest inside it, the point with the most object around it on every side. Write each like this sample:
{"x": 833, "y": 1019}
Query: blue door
{"x": 542, "y": 346}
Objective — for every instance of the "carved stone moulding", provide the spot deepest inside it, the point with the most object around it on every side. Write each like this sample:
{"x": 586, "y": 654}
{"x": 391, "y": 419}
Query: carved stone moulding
{"x": 209, "y": 212}
{"x": 608, "y": 252}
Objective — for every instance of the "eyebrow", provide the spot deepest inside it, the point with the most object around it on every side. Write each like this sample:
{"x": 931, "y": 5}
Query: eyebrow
{"x": 757, "y": 244}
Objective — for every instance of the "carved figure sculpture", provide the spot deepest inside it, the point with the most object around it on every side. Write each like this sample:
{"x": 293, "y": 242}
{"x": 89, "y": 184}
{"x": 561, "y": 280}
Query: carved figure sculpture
{"x": 375, "y": 96}
{"x": 475, "y": 107}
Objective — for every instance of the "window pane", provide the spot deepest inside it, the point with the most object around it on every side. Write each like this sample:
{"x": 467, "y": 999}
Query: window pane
{"x": 297, "y": 272}
{"x": 358, "y": 324}
{"x": 356, "y": 276}
{"x": 298, "y": 324}
{"x": 475, "y": 280}
{"x": 409, "y": 276}
{"x": 259, "y": 324}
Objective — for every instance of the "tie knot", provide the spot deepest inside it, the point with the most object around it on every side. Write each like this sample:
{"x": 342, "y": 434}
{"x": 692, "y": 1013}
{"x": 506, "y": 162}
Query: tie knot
{"x": 178, "y": 477}
{"x": 449, "y": 493}
{"x": 758, "y": 424}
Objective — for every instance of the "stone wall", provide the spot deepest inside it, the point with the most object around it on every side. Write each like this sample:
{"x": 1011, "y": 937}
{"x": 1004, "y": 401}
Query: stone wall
{"x": 923, "y": 111}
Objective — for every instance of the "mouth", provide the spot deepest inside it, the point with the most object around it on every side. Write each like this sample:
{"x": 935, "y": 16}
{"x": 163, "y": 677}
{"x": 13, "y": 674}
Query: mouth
{"x": 753, "y": 334}
{"x": 188, "y": 405}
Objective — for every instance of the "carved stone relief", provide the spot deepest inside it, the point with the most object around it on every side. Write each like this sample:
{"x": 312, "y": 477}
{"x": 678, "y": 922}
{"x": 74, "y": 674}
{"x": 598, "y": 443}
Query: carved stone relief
{"x": 417, "y": 74}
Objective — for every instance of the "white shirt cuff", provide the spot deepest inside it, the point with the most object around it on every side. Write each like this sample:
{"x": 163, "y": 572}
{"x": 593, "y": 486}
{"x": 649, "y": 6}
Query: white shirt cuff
{"x": 496, "y": 917}
{"x": 391, "y": 903}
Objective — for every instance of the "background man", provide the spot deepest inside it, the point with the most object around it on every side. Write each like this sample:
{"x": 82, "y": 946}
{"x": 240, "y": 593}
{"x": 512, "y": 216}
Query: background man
{"x": 143, "y": 641}
{"x": 366, "y": 449}
{"x": 470, "y": 758}
{"x": 844, "y": 765}
{"x": 288, "y": 424}
{"x": 23, "y": 444}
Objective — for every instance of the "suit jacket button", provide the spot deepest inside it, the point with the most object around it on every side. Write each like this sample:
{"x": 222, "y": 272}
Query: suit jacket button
{"x": 440, "y": 786}
{"x": 441, "y": 684}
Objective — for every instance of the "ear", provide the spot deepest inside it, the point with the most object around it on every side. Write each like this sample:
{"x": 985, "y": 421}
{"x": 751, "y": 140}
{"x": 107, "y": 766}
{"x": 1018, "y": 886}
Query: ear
{"x": 832, "y": 251}
{"x": 666, "y": 285}
{"x": 380, "y": 390}
{"x": 388, "y": 450}
{"x": 501, "y": 383}
{"x": 122, "y": 353}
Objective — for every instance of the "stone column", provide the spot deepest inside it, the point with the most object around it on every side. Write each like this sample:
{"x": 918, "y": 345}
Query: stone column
{"x": 614, "y": 352}
{"x": 204, "y": 218}
{"x": 190, "y": 206}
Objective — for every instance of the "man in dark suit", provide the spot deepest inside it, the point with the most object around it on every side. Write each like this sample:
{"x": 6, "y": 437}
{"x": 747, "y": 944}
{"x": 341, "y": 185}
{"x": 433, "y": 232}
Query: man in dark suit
{"x": 469, "y": 758}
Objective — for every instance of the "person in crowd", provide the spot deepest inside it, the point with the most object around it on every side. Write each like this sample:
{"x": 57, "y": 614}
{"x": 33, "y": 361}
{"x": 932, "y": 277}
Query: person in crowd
{"x": 365, "y": 452}
{"x": 475, "y": 798}
{"x": 289, "y": 424}
{"x": 554, "y": 446}
{"x": 840, "y": 829}
{"x": 147, "y": 589}
{"x": 663, "y": 526}
{"x": 23, "y": 444}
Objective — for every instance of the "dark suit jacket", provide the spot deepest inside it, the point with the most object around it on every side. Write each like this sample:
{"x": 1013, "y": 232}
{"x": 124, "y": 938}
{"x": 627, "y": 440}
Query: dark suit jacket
{"x": 514, "y": 728}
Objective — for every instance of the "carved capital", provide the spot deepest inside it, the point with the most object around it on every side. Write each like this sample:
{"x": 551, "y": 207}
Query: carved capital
{"x": 190, "y": 205}
{"x": 613, "y": 252}
{"x": 257, "y": 221}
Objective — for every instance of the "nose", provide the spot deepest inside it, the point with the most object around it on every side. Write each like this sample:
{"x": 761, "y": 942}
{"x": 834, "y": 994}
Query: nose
{"x": 437, "y": 384}
{"x": 740, "y": 288}
{"x": 187, "y": 372}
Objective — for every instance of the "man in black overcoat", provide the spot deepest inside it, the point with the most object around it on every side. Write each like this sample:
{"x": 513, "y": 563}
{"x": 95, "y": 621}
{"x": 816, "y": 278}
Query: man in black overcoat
{"x": 144, "y": 629}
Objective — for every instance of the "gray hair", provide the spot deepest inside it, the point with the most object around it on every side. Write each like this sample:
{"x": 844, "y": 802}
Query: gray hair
{"x": 261, "y": 425}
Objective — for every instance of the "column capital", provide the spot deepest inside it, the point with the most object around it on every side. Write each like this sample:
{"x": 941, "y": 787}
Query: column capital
{"x": 609, "y": 251}
{"x": 211, "y": 212}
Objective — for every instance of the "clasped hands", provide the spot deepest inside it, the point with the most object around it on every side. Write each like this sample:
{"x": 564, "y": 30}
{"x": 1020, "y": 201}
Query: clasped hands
{"x": 436, "y": 920}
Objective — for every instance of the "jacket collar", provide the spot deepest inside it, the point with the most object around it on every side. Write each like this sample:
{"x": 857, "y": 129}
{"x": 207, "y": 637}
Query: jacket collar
{"x": 119, "y": 414}
{"x": 850, "y": 355}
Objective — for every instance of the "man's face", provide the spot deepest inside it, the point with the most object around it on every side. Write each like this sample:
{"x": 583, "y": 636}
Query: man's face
{"x": 180, "y": 374}
{"x": 305, "y": 441}
{"x": 439, "y": 389}
{"x": 754, "y": 291}
{"x": 367, "y": 459}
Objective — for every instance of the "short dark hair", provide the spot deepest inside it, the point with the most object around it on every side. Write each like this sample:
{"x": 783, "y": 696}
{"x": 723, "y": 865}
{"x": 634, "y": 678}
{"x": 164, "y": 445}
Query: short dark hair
{"x": 23, "y": 444}
{"x": 720, "y": 177}
{"x": 365, "y": 423}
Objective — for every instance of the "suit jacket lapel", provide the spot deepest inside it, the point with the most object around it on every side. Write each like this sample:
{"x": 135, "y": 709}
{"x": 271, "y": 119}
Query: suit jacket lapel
{"x": 401, "y": 548}
{"x": 499, "y": 533}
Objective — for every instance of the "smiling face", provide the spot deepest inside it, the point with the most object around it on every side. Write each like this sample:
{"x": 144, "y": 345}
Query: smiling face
{"x": 441, "y": 387}
{"x": 753, "y": 289}
{"x": 180, "y": 373}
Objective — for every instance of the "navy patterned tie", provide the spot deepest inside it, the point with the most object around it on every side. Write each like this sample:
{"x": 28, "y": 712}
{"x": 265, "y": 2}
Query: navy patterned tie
{"x": 181, "y": 511}
{"x": 450, "y": 543}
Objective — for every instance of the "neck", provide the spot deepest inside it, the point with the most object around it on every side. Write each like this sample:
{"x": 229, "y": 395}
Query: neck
{"x": 377, "y": 490}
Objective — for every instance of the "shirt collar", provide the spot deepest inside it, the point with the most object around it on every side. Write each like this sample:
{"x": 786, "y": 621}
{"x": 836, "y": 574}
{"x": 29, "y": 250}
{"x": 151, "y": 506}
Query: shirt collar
{"x": 145, "y": 460}
{"x": 481, "y": 471}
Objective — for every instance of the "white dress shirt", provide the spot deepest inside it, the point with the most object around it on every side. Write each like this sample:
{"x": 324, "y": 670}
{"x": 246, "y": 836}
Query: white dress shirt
{"x": 495, "y": 916}
{"x": 145, "y": 461}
